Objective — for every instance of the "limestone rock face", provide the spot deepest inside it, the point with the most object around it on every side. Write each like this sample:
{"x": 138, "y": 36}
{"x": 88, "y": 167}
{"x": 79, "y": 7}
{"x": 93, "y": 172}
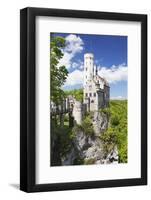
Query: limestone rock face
{"x": 100, "y": 122}
{"x": 112, "y": 157}
{"x": 90, "y": 148}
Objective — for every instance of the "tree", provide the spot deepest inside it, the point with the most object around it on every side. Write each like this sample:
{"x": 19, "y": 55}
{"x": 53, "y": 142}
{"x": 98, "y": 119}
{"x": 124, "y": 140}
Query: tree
{"x": 76, "y": 93}
{"x": 58, "y": 74}
{"x": 116, "y": 134}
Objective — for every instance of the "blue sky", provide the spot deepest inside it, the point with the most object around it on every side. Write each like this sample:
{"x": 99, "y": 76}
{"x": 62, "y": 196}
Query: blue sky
{"x": 110, "y": 56}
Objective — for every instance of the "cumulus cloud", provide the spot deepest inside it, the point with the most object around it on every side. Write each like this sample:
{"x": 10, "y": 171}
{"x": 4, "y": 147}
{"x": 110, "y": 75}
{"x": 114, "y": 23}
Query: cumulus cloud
{"x": 118, "y": 98}
{"x": 74, "y": 78}
{"x": 78, "y": 65}
{"x": 74, "y": 45}
{"x": 114, "y": 74}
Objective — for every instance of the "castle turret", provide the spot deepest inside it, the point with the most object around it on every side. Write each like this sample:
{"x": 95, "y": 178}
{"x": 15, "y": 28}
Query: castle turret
{"x": 88, "y": 67}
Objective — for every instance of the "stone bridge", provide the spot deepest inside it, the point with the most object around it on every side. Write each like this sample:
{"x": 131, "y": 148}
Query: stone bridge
{"x": 61, "y": 110}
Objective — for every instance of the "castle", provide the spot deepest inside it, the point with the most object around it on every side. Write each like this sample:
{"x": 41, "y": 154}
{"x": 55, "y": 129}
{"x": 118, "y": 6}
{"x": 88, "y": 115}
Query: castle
{"x": 96, "y": 90}
{"x": 96, "y": 94}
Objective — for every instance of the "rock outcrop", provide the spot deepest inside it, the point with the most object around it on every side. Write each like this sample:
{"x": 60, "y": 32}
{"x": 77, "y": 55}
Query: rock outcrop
{"x": 89, "y": 148}
{"x": 100, "y": 122}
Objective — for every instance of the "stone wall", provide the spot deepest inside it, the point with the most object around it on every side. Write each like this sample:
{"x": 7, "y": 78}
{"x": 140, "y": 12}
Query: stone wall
{"x": 77, "y": 112}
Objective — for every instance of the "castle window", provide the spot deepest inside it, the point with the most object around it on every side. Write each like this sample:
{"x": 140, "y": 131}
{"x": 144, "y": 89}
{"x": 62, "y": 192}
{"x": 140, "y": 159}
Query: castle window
{"x": 86, "y": 69}
{"x": 90, "y": 94}
{"x": 86, "y": 77}
{"x": 92, "y": 101}
{"x": 94, "y": 94}
{"x": 90, "y": 87}
{"x": 86, "y": 94}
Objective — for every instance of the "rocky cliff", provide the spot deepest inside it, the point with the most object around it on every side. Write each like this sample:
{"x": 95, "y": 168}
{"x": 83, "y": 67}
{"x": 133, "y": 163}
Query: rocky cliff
{"x": 88, "y": 148}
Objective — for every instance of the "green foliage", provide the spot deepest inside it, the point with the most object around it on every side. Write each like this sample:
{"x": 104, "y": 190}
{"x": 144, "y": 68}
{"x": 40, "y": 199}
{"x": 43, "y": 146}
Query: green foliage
{"x": 117, "y": 132}
{"x": 115, "y": 120}
{"x": 66, "y": 118}
{"x": 58, "y": 74}
{"x": 77, "y": 128}
{"x": 109, "y": 139}
{"x": 64, "y": 136}
{"x": 77, "y": 93}
{"x": 88, "y": 126}
{"x": 105, "y": 111}
{"x": 89, "y": 161}
{"x": 78, "y": 160}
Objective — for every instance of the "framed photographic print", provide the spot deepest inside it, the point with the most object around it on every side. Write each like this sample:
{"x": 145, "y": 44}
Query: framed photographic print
{"x": 83, "y": 99}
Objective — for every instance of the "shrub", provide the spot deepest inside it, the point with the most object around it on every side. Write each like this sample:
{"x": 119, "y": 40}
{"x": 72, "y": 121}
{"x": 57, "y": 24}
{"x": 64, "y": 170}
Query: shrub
{"x": 109, "y": 139}
{"x": 105, "y": 111}
{"x": 66, "y": 118}
{"x": 89, "y": 161}
{"x": 114, "y": 120}
{"x": 87, "y": 126}
{"x": 77, "y": 128}
{"x": 78, "y": 161}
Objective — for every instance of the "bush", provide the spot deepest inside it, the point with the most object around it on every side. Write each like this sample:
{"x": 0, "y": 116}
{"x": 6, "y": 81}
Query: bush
{"x": 77, "y": 128}
{"x": 114, "y": 120}
{"x": 88, "y": 126}
{"x": 66, "y": 118}
{"x": 105, "y": 111}
{"x": 78, "y": 161}
{"x": 109, "y": 139}
{"x": 89, "y": 161}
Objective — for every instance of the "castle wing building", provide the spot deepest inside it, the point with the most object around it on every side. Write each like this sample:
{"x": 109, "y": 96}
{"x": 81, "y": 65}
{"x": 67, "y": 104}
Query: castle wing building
{"x": 96, "y": 89}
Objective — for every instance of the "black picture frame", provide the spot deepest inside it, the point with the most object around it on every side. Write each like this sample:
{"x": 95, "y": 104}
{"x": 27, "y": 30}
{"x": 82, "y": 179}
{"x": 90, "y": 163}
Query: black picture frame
{"x": 28, "y": 98}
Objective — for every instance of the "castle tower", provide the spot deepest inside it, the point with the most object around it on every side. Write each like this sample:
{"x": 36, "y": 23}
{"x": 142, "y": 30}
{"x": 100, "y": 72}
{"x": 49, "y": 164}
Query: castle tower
{"x": 89, "y": 69}
{"x": 77, "y": 112}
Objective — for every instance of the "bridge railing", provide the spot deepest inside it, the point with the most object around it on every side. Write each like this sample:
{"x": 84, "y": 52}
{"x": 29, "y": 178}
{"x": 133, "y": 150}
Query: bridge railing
{"x": 60, "y": 109}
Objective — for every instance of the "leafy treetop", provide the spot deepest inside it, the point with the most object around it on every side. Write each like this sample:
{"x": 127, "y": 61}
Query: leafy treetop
{"x": 58, "y": 74}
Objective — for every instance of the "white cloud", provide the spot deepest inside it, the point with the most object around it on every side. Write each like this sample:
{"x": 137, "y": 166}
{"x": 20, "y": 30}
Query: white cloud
{"x": 118, "y": 98}
{"x": 114, "y": 74}
{"x": 74, "y": 45}
{"x": 75, "y": 65}
{"x": 74, "y": 78}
